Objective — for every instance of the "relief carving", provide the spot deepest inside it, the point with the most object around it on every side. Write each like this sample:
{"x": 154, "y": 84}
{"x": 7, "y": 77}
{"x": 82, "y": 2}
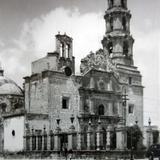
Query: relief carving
{"x": 99, "y": 60}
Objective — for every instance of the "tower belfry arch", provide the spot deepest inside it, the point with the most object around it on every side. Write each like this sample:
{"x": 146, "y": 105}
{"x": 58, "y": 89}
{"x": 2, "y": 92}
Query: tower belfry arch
{"x": 117, "y": 19}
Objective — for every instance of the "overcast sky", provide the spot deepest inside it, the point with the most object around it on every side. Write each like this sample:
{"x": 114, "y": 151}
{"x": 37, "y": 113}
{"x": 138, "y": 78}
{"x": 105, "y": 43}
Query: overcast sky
{"x": 27, "y": 29}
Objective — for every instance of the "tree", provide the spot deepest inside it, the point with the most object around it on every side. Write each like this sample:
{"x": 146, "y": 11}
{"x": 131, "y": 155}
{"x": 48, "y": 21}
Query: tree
{"x": 134, "y": 137}
{"x": 155, "y": 137}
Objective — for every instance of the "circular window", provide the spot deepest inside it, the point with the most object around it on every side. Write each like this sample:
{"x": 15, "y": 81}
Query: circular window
{"x": 68, "y": 71}
{"x": 13, "y": 132}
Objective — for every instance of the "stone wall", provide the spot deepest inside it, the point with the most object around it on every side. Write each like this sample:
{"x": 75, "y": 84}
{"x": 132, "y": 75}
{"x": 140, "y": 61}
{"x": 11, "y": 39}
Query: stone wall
{"x": 62, "y": 86}
{"x": 131, "y": 81}
{"x": 36, "y": 94}
{"x": 47, "y": 63}
{"x": 13, "y": 133}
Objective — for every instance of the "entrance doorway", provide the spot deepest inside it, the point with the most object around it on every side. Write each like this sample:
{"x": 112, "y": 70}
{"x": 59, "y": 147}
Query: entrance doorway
{"x": 64, "y": 141}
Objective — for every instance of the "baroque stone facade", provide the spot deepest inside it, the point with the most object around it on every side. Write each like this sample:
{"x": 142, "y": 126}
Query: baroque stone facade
{"x": 89, "y": 111}
{"x": 54, "y": 91}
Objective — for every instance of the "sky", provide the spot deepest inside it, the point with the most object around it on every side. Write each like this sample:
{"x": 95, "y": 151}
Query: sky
{"x": 28, "y": 29}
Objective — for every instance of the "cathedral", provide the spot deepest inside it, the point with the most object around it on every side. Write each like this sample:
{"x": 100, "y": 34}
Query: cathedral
{"x": 59, "y": 109}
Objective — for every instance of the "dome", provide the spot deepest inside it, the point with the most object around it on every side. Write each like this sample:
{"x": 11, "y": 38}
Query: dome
{"x": 9, "y": 87}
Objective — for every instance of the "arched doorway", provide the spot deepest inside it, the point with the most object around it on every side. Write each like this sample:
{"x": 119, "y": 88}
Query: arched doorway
{"x": 113, "y": 140}
{"x": 125, "y": 48}
{"x": 104, "y": 138}
{"x": 101, "y": 110}
{"x": 124, "y": 23}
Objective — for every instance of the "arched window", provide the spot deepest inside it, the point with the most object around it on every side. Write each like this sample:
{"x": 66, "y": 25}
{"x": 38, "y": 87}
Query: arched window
{"x": 110, "y": 48}
{"x": 125, "y": 48}
{"x": 111, "y": 1}
{"x": 124, "y": 23}
{"x": 61, "y": 50}
{"x": 111, "y": 23}
{"x": 3, "y": 107}
{"x": 101, "y": 110}
{"x": 123, "y": 3}
{"x": 68, "y": 50}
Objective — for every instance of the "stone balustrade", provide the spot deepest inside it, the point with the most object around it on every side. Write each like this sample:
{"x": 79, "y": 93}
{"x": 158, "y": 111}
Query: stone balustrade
{"x": 91, "y": 139}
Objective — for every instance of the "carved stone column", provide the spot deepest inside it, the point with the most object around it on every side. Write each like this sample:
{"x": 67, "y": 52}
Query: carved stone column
{"x": 71, "y": 136}
{"x": 70, "y": 50}
{"x": 64, "y": 50}
{"x": 44, "y": 140}
{"x": 99, "y": 138}
{"x": 49, "y": 140}
{"x": 57, "y": 142}
{"x": 91, "y": 106}
{"x": 81, "y": 107}
{"x": 120, "y": 134}
{"x": 110, "y": 108}
{"x": 92, "y": 83}
{"x": 89, "y": 133}
{"x": 31, "y": 141}
{"x": 26, "y": 142}
{"x": 36, "y": 140}
{"x": 108, "y": 137}
{"x": 79, "y": 141}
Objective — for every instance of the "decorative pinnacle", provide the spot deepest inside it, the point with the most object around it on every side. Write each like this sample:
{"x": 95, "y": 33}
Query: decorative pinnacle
{"x": 89, "y": 122}
{"x": 149, "y": 121}
{"x": 72, "y": 118}
{"x": 32, "y": 130}
{"x": 136, "y": 120}
{"x": 99, "y": 121}
{"x": 58, "y": 120}
{"x": 1, "y": 70}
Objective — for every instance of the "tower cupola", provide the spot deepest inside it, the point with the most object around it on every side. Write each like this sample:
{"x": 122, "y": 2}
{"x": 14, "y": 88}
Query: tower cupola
{"x": 117, "y": 3}
{"x": 118, "y": 40}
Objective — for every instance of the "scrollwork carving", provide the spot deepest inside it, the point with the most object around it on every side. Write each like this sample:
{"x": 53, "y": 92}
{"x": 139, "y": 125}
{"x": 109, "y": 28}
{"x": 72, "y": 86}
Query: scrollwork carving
{"x": 99, "y": 60}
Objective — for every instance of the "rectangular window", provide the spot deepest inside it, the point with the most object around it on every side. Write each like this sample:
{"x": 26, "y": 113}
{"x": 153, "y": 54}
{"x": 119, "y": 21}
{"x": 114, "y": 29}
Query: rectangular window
{"x": 130, "y": 80}
{"x": 115, "y": 108}
{"x": 65, "y": 102}
{"x": 131, "y": 109}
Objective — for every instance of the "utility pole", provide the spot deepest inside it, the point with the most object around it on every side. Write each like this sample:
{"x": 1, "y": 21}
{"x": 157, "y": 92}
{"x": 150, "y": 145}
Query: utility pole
{"x": 124, "y": 105}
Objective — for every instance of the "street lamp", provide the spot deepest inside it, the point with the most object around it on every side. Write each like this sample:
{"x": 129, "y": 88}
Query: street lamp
{"x": 150, "y": 131}
{"x": 131, "y": 142}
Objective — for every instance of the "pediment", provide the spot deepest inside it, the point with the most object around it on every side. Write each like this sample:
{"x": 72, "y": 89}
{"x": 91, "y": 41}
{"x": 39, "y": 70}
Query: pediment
{"x": 100, "y": 61}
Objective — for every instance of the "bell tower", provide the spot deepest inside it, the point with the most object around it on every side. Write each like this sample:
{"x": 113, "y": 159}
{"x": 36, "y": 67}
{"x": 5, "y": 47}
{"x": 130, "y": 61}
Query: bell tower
{"x": 64, "y": 47}
{"x": 118, "y": 40}
{"x": 119, "y": 43}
